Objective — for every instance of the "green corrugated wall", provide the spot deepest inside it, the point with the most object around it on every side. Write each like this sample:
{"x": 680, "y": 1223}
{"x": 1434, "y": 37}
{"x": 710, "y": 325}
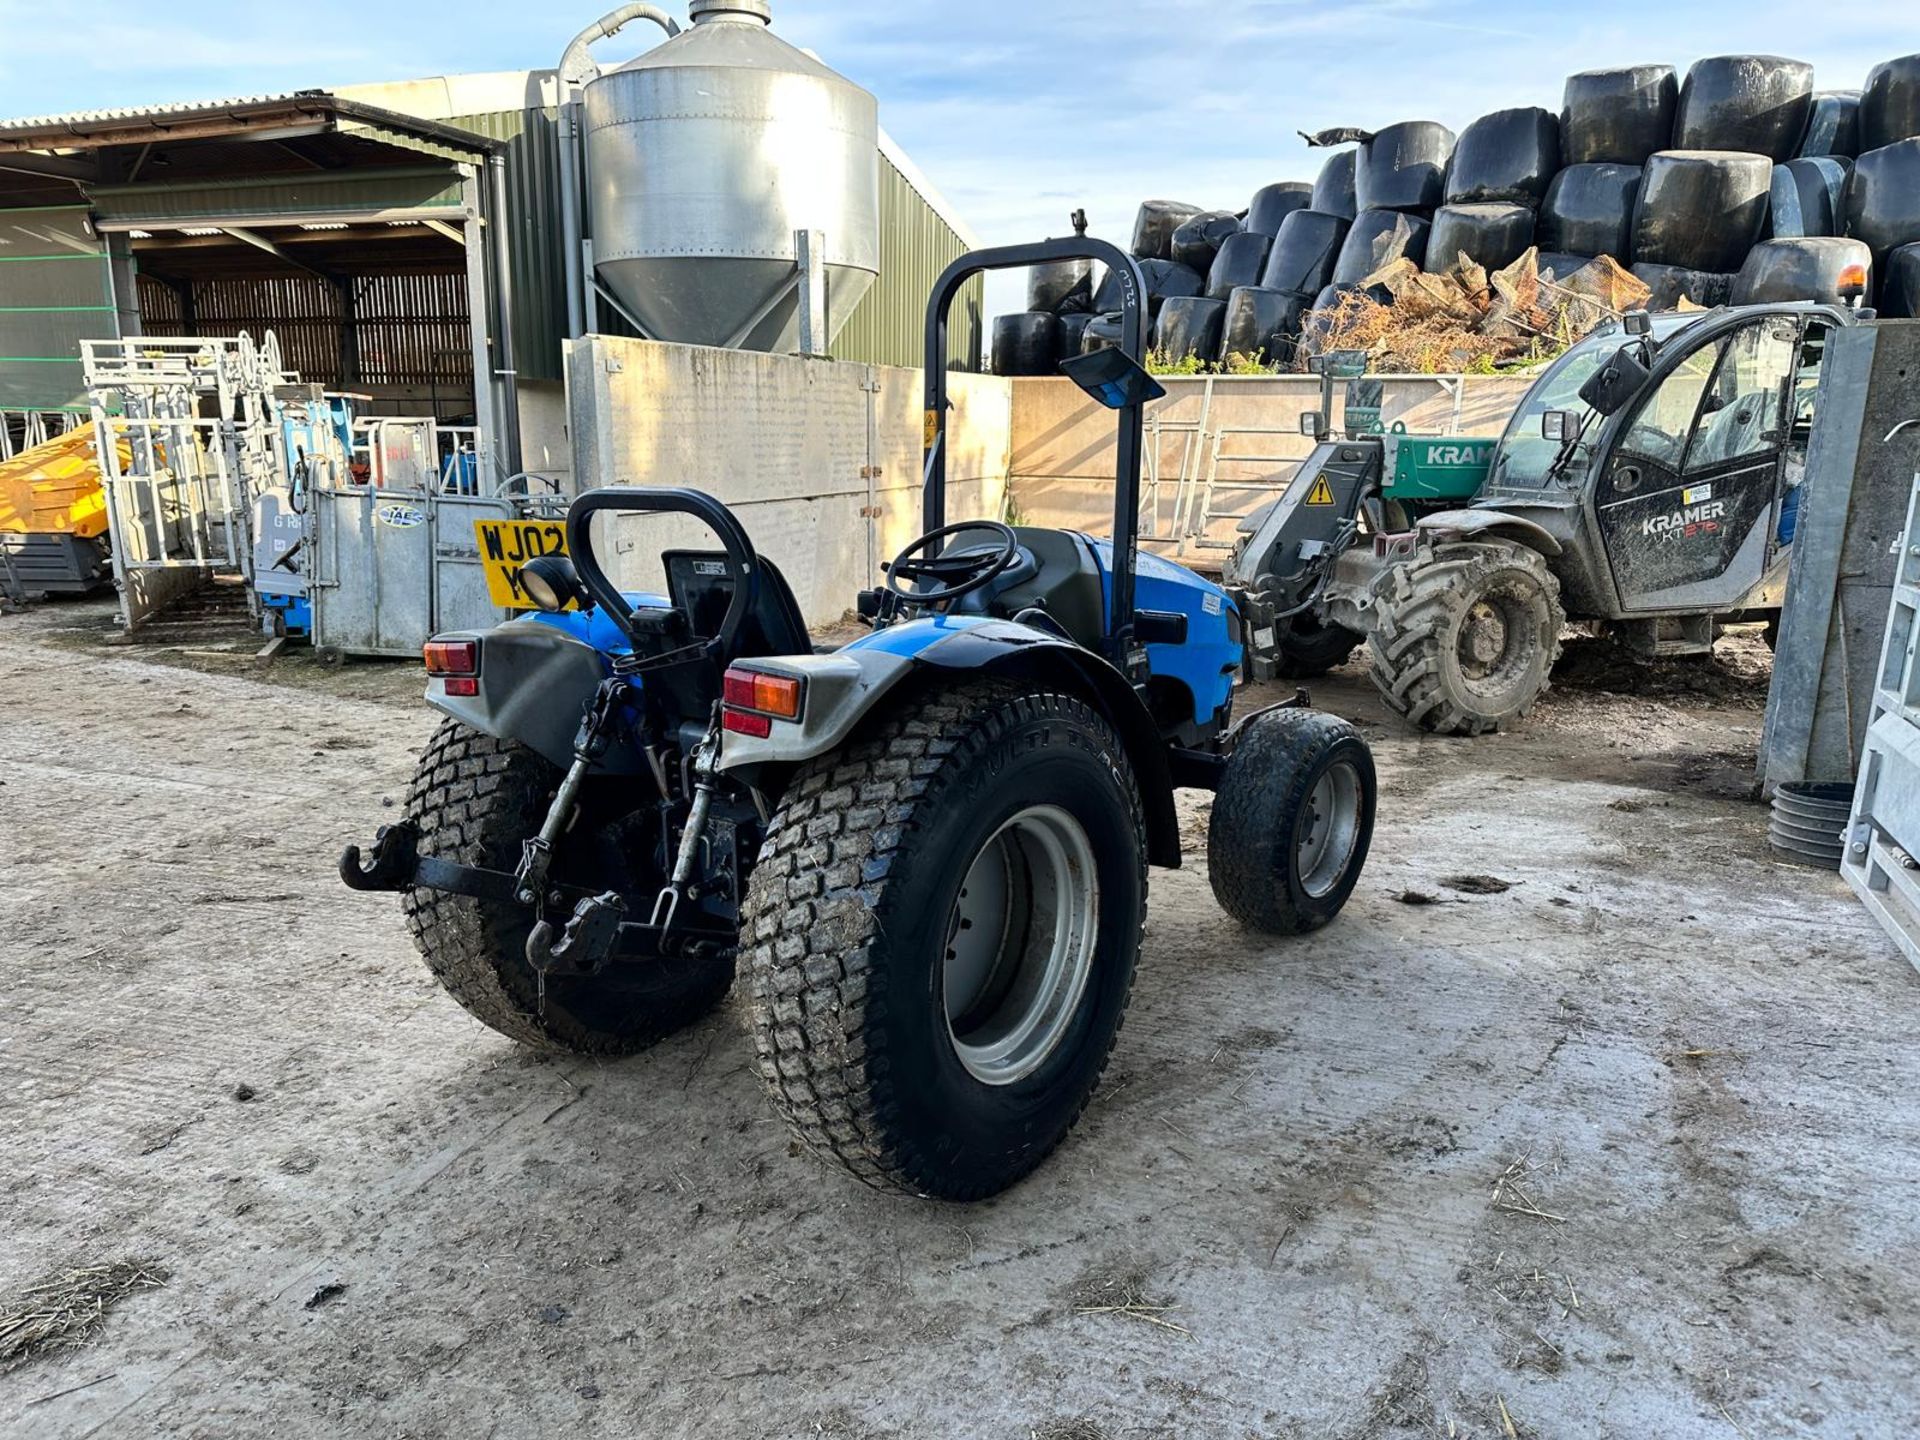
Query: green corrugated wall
{"x": 888, "y": 328}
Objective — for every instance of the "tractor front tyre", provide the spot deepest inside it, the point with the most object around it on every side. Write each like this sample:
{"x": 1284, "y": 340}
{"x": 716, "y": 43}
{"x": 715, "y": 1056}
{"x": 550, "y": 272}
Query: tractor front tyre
{"x": 1308, "y": 647}
{"x": 940, "y": 937}
{"x": 1466, "y": 635}
{"x": 475, "y": 798}
{"x": 1292, "y": 821}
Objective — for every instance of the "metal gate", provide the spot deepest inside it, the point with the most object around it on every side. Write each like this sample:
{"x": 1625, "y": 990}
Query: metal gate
{"x": 1882, "y": 856}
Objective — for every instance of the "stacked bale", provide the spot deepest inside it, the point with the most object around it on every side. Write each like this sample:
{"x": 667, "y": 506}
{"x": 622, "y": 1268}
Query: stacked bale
{"x": 1741, "y": 183}
{"x": 1190, "y": 325}
{"x": 1273, "y": 203}
{"x": 1026, "y": 343}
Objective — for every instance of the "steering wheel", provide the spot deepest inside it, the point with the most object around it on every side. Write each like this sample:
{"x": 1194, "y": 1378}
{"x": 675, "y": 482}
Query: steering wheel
{"x": 951, "y": 576}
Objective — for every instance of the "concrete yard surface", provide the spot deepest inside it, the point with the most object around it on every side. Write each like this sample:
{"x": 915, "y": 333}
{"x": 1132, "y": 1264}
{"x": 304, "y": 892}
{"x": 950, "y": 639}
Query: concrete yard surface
{"x": 1587, "y": 1118}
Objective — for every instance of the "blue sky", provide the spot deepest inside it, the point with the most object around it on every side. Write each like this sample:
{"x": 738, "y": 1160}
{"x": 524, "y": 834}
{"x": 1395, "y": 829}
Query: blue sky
{"x": 1017, "y": 111}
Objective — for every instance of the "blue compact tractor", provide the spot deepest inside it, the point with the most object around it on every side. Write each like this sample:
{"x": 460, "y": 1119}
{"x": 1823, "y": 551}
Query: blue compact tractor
{"x": 927, "y": 850}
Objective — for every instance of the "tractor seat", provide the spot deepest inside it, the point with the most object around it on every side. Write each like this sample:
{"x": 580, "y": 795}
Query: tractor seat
{"x": 700, "y": 588}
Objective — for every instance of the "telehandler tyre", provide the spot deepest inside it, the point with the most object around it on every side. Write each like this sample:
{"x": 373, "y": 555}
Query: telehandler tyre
{"x": 940, "y": 936}
{"x": 1308, "y": 647}
{"x": 1292, "y": 821}
{"x": 475, "y": 799}
{"x": 1466, "y": 635}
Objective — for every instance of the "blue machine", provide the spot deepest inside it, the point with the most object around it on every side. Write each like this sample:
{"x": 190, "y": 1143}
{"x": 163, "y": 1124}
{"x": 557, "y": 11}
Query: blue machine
{"x": 925, "y": 849}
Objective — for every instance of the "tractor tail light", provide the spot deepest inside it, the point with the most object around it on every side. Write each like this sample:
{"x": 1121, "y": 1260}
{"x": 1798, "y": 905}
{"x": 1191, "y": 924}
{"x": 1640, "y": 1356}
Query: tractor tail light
{"x": 456, "y": 664}
{"x": 755, "y": 699}
{"x": 452, "y": 657}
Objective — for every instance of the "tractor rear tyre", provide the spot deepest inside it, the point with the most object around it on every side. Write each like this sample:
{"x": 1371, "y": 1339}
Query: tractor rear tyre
{"x": 940, "y": 936}
{"x": 1308, "y": 647}
{"x": 475, "y": 798}
{"x": 1292, "y": 821}
{"x": 1466, "y": 635}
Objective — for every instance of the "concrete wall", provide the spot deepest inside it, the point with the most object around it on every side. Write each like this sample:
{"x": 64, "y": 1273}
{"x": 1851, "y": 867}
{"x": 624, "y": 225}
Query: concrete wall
{"x": 820, "y": 459}
{"x": 1244, "y": 432}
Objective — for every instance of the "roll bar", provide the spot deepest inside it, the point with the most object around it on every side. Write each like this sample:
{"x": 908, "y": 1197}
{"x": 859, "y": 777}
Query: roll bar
{"x": 1133, "y": 336}
{"x": 662, "y": 500}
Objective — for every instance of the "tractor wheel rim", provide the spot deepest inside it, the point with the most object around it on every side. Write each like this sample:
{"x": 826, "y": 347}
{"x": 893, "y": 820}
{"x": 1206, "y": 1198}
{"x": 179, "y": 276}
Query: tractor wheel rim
{"x": 1020, "y": 944}
{"x": 1329, "y": 829}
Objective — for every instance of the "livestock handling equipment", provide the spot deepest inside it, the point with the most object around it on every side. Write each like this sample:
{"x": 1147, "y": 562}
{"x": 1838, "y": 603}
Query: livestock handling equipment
{"x": 927, "y": 849}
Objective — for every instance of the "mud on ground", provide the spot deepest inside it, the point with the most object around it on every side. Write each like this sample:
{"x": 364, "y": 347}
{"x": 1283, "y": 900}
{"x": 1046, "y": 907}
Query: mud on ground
{"x": 1627, "y": 1148}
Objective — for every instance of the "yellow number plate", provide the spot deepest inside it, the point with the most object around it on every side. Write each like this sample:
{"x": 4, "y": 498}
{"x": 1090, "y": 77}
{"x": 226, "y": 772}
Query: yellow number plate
{"x": 506, "y": 545}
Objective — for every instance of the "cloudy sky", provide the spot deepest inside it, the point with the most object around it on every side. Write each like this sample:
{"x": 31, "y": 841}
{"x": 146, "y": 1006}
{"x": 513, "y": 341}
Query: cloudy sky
{"x": 1019, "y": 110}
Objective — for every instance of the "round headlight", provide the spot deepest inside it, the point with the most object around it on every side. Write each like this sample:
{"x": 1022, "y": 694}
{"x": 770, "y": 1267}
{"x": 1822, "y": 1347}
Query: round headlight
{"x": 548, "y": 582}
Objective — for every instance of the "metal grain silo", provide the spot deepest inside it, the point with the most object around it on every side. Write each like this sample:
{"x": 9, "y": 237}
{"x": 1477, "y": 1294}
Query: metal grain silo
{"x": 704, "y": 157}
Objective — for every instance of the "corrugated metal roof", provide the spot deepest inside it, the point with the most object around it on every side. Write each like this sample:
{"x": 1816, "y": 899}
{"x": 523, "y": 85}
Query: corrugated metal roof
{"x": 53, "y": 132}
{"x": 84, "y": 119}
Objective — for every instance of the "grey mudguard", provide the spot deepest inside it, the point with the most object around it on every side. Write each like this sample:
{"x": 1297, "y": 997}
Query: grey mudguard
{"x": 534, "y": 685}
{"x": 1471, "y": 523}
{"x": 840, "y": 689}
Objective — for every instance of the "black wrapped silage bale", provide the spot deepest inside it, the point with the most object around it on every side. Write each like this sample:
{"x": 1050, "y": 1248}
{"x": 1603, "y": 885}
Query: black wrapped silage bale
{"x": 1273, "y": 203}
{"x": 1508, "y": 155}
{"x": 1063, "y": 288}
{"x": 1833, "y": 125}
{"x": 1334, "y": 190}
{"x": 1154, "y": 225}
{"x": 1190, "y": 325}
{"x": 1103, "y": 332}
{"x": 1197, "y": 241}
{"x": 1404, "y": 167}
{"x": 1890, "y": 105}
{"x": 1305, "y": 252}
{"x": 1883, "y": 198}
{"x": 1073, "y": 330}
{"x": 1755, "y": 103}
{"x": 1026, "y": 343}
{"x": 1900, "y": 285}
{"x": 1701, "y": 209}
{"x": 1809, "y": 197}
{"x": 1806, "y": 268}
{"x": 1262, "y": 324}
{"x": 1560, "y": 264}
{"x": 1492, "y": 236}
{"x": 1618, "y": 117}
{"x": 1589, "y": 210}
{"x": 1670, "y": 283}
{"x": 1379, "y": 237}
{"x": 1241, "y": 261}
{"x": 1164, "y": 278}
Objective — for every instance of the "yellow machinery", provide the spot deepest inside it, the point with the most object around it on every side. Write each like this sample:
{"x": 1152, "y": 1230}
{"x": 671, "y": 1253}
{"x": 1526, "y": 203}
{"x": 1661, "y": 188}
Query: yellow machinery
{"x": 53, "y": 515}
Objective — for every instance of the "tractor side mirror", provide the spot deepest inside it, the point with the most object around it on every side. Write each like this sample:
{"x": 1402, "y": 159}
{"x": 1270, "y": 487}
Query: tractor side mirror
{"x": 1313, "y": 425}
{"x": 1638, "y": 323}
{"x": 1558, "y": 426}
{"x": 1609, "y": 388}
